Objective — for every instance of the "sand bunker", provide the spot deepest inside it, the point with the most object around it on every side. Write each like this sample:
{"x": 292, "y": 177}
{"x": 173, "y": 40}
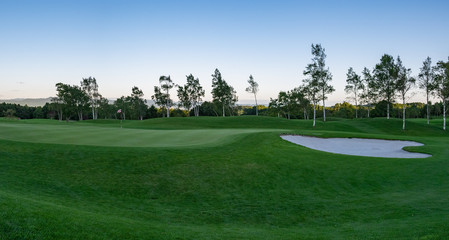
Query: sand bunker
{"x": 358, "y": 146}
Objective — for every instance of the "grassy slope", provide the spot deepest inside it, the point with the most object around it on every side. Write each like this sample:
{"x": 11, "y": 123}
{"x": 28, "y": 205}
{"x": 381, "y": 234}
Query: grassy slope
{"x": 256, "y": 187}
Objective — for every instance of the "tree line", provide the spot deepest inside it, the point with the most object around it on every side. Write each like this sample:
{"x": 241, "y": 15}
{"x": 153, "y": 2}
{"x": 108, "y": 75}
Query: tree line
{"x": 371, "y": 90}
{"x": 389, "y": 79}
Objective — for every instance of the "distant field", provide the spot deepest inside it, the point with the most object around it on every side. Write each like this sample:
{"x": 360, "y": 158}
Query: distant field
{"x": 217, "y": 178}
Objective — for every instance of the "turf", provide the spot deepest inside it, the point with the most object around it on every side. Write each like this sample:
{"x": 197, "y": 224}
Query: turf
{"x": 249, "y": 184}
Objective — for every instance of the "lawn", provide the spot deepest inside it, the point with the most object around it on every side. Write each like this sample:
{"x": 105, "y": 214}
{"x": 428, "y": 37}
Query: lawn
{"x": 217, "y": 178}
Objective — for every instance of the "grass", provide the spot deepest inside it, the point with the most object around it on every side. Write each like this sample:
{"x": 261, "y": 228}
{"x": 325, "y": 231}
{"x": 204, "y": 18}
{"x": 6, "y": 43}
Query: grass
{"x": 217, "y": 178}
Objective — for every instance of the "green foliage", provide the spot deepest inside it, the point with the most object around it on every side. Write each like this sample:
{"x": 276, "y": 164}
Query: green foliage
{"x": 254, "y": 89}
{"x": 223, "y": 95}
{"x": 190, "y": 95}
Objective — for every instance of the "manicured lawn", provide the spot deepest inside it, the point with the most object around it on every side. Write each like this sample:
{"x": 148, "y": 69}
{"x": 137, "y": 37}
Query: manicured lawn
{"x": 217, "y": 178}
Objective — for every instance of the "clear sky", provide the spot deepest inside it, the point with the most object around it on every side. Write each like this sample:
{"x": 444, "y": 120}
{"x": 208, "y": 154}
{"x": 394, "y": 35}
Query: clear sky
{"x": 131, "y": 43}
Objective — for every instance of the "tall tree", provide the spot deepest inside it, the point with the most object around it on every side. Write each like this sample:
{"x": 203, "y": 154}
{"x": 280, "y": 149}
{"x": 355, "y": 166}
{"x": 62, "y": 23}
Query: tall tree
{"x": 161, "y": 98}
{"x": 385, "y": 74}
{"x": 298, "y": 96}
{"x": 369, "y": 95}
{"x": 123, "y": 104}
{"x": 253, "y": 88}
{"x": 90, "y": 87}
{"x": 137, "y": 102}
{"x": 403, "y": 84}
{"x": 105, "y": 109}
{"x": 74, "y": 100}
{"x": 442, "y": 85}
{"x": 57, "y": 105}
{"x": 166, "y": 84}
{"x": 223, "y": 95}
{"x": 190, "y": 95}
{"x": 354, "y": 85}
{"x": 311, "y": 91}
{"x": 426, "y": 82}
{"x": 318, "y": 73}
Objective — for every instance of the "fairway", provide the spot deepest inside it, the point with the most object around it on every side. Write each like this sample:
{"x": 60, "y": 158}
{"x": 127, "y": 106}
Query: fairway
{"x": 119, "y": 137}
{"x": 218, "y": 178}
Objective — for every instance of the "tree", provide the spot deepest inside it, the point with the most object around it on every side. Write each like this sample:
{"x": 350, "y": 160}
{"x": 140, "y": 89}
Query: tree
{"x": 137, "y": 102}
{"x": 442, "y": 85}
{"x": 90, "y": 87}
{"x": 9, "y": 113}
{"x": 354, "y": 86}
{"x": 369, "y": 95}
{"x": 223, "y": 95}
{"x": 190, "y": 95}
{"x": 57, "y": 105}
{"x": 166, "y": 84}
{"x": 74, "y": 100}
{"x": 298, "y": 96}
{"x": 253, "y": 88}
{"x": 311, "y": 90}
{"x": 403, "y": 84}
{"x": 319, "y": 75}
{"x": 385, "y": 74}
{"x": 161, "y": 99}
{"x": 105, "y": 109}
{"x": 123, "y": 104}
{"x": 426, "y": 82}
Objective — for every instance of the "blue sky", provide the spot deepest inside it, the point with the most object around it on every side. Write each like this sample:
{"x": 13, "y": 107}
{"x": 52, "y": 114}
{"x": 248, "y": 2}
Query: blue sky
{"x": 131, "y": 43}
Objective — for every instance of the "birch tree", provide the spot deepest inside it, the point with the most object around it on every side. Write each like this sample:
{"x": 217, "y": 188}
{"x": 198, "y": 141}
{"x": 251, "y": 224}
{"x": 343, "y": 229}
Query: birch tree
{"x": 403, "y": 84}
{"x": 137, "y": 102}
{"x": 253, "y": 88}
{"x": 73, "y": 99}
{"x": 369, "y": 95}
{"x": 426, "y": 82}
{"x": 385, "y": 74}
{"x": 319, "y": 74}
{"x": 90, "y": 87}
{"x": 190, "y": 95}
{"x": 442, "y": 85}
{"x": 311, "y": 90}
{"x": 223, "y": 94}
{"x": 161, "y": 98}
{"x": 166, "y": 84}
{"x": 57, "y": 105}
{"x": 354, "y": 86}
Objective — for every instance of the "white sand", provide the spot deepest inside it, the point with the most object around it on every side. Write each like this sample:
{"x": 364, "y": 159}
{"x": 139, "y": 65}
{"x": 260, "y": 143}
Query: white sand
{"x": 358, "y": 146}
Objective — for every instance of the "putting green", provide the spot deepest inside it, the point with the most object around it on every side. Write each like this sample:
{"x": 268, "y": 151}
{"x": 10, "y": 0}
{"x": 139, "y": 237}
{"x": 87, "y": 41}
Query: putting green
{"x": 120, "y": 137}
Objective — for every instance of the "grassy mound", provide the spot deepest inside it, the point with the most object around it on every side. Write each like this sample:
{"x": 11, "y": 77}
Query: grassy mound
{"x": 249, "y": 184}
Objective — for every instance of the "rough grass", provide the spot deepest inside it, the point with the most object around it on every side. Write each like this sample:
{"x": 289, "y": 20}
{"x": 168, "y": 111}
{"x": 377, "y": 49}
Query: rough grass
{"x": 254, "y": 186}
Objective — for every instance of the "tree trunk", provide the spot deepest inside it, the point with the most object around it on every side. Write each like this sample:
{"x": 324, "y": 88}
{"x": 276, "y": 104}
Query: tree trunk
{"x": 324, "y": 110}
{"x": 368, "y": 110}
{"x": 168, "y": 111}
{"x": 444, "y": 114}
{"x": 305, "y": 114}
{"x": 314, "y": 114}
{"x": 257, "y": 108}
{"x": 223, "y": 110}
{"x": 403, "y": 113}
{"x": 427, "y": 108}
{"x": 388, "y": 110}
{"x": 356, "y": 106}
{"x": 93, "y": 111}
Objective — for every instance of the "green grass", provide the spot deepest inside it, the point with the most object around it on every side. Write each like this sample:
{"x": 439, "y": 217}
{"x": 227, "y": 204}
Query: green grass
{"x": 217, "y": 178}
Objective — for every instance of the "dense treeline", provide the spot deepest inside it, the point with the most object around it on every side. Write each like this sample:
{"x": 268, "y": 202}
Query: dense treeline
{"x": 374, "y": 94}
{"x": 339, "y": 110}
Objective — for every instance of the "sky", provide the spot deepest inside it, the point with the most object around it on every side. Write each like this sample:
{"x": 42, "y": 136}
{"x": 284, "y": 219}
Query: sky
{"x": 132, "y": 43}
